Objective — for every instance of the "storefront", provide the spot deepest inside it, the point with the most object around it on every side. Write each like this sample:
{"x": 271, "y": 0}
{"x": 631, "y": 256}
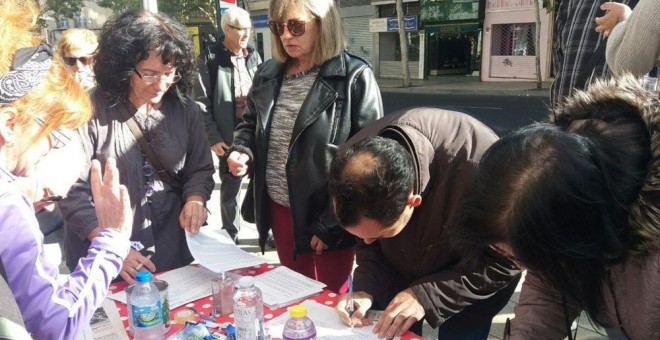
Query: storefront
{"x": 453, "y": 35}
{"x": 510, "y": 41}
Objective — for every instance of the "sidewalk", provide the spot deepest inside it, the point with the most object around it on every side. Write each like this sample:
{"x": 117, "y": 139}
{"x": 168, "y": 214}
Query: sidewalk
{"x": 459, "y": 84}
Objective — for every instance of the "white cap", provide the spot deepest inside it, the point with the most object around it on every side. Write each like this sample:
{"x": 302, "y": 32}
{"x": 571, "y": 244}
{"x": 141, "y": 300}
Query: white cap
{"x": 246, "y": 281}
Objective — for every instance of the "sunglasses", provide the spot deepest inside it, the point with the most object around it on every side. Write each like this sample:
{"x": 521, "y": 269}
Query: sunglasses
{"x": 71, "y": 61}
{"x": 295, "y": 27}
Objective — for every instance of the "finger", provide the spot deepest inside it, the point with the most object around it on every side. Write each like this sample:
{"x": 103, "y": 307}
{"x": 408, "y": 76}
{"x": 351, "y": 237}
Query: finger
{"x": 111, "y": 176}
{"x": 394, "y": 327}
{"x": 406, "y": 326}
{"x": 127, "y": 277}
{"x": 95, "y": 178}
{"x": 148, "y": 264}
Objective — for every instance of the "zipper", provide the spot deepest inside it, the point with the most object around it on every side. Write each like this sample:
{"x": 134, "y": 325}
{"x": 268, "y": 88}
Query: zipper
{"x": 335, "y": 120}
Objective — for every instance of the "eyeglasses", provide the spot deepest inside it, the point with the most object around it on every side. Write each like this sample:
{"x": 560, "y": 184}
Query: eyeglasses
{"x": 57, "y": 138}
{"x": 170, "y": 79}
{"x": 241, "y": 29}
{"x": 295, "y": 27}
{"x": 71, "y": 61}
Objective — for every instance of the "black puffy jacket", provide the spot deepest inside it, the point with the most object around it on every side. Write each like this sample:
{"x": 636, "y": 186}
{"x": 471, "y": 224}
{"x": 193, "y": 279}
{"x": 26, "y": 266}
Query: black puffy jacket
{"x": 343, "y": 99}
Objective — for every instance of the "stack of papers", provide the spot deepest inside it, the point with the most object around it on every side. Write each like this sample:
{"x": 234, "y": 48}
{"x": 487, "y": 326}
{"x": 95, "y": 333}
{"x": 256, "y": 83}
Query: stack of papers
{"x": 185, "y": 284}
{"x": 282, "y": 287}
{"x": 217, "y": 252}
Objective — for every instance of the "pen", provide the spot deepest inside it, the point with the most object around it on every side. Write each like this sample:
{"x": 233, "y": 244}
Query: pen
{"x": 140, "y": 265}
{"x": 507, "y": 329}
{"x": 351, "y": 305}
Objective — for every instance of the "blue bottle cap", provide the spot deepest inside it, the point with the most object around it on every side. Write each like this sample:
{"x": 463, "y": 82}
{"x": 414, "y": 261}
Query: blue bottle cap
{"x": 143, "y": 276}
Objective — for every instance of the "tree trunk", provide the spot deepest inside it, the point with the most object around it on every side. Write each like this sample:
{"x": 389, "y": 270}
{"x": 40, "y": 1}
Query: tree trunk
{"x": 404, "y": 45}
{"x": 537, "y": 44}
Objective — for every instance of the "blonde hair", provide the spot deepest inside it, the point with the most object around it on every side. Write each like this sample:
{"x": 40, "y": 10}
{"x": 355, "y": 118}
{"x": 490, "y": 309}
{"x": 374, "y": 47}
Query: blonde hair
{"x": 331, "y": 40}
{"x": 58, "y": 100}
{"x": 76, "y": 40}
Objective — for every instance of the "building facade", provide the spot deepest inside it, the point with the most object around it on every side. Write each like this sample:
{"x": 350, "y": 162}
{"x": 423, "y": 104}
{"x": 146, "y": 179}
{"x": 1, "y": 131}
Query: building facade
{"x": 509, "y": 51}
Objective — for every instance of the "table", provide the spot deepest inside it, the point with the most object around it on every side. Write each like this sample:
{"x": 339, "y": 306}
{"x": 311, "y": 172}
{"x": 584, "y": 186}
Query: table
{"x": 205, "y": 304}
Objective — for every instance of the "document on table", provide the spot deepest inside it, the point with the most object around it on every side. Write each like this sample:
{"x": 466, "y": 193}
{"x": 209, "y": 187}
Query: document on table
{"x": 282, "y": 286}
{"x": 327, "y": 323}
{"x": 105, "y": 324}
{"x": 185, "y": 284}
{"x": 217, "y": 252}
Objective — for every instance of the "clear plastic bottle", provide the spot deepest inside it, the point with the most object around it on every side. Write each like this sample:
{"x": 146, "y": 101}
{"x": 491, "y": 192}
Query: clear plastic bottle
{"x": 248, "y": 310}
{"x": 299, "y": 326}
{"x": 145, "y": 309}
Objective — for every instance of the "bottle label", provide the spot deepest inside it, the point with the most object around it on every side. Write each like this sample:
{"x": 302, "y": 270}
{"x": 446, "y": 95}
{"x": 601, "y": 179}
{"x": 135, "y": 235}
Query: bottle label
{"x": 245, "y": 320}
{"x": 147, "y": 316}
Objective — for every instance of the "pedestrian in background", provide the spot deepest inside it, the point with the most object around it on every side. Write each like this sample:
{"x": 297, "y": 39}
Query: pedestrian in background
{"x": 398, "y": 186}
{"x": 305, "y": 102}
{"x": 225, "y": 76}
{"x": 35, "y": 111}
{"x": 145, "y": 118}
{"x": 76, "y": 47}
{"x": 578, "y": 51}
{"x": 576, "y": 202}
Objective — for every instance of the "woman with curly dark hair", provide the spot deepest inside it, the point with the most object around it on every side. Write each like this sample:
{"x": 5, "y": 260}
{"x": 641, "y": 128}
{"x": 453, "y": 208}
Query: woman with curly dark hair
{"x": 145, "y": 119}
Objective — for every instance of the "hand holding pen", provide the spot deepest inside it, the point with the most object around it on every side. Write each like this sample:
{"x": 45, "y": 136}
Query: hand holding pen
{"x": 353, "y": 306}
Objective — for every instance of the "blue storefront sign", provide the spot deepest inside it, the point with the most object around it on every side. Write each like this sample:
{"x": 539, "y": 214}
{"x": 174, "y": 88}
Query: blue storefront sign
{"x": 410, "y": 23}
{"x": 260, "y": 21}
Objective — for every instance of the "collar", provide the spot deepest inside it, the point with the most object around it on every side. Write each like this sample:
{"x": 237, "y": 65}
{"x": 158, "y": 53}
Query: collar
{"x": 333, "y": 67}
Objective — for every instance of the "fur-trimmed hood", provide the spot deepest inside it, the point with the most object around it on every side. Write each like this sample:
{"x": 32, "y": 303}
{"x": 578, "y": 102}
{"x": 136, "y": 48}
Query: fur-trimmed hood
{"x": 593, "y": 103}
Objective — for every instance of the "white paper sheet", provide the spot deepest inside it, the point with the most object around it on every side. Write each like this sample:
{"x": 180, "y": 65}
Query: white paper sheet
{"x": 327, "y": 323}
{"x": 282, "y": 286}
{"x": 186, "y": 284}
{"x": 106, "y": 324}
{"x": 216, "y": 251}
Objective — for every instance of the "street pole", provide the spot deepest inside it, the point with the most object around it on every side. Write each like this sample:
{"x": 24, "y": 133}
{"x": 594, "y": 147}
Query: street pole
{"x": 150, "y": 5}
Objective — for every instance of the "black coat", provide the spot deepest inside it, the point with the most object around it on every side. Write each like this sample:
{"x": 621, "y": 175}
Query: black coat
{"x": 344, "y": 98}
{"x": 217, "y": 106}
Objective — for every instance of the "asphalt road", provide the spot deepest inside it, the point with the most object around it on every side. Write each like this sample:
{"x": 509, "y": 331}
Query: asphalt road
{"x": 500, "y": 113}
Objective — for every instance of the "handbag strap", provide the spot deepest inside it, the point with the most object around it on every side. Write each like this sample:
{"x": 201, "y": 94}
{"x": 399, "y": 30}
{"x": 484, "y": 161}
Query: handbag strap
{"x": 136, "y": 130}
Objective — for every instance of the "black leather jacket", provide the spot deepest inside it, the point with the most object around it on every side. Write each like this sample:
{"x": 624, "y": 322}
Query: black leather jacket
{"x": 344, "y": 98}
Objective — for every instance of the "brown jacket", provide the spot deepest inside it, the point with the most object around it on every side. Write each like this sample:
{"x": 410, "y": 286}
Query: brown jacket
{"x": 446, "y": 147}
{"x": 635, "y": 293}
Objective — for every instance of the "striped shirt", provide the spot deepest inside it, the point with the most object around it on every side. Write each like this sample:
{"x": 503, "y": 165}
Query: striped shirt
{"x": 575, "y": 43}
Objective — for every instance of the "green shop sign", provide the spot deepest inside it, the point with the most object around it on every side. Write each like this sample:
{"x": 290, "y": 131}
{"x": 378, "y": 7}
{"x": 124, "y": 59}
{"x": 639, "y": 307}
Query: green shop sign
{"x": 448, "y": 10}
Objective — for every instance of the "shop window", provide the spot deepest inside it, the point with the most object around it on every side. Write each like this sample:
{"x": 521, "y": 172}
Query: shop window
{"x": 514, "y": 39}
{"x": 390, "y": 48}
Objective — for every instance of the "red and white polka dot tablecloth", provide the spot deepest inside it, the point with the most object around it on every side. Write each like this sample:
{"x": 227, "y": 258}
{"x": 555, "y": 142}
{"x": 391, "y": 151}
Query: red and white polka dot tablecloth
{"x": 205, "y": 305}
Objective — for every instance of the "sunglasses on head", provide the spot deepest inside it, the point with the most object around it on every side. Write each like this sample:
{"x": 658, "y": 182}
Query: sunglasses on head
{"x": 295, "y": 27}
{"x": 71, "y": 61}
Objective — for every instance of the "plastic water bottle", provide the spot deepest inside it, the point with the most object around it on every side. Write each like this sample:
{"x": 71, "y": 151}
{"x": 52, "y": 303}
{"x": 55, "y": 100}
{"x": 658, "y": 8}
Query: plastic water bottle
{"x": 145, "y": 309}
{"x": 299, "y": 326}
{"x": 248, "y": 310}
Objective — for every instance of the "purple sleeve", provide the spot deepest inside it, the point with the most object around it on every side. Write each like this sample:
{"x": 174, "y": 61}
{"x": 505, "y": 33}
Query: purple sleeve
{"x": 53, "y": 310}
